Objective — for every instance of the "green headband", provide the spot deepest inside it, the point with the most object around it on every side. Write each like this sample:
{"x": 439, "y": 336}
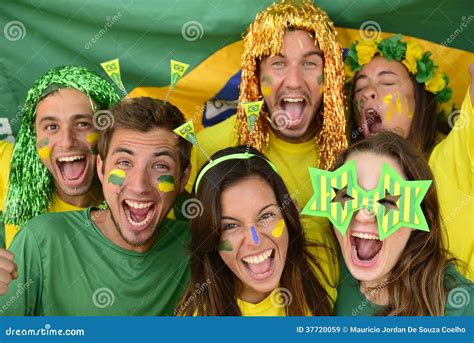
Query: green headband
{"x": 337, "y": 196}
{"x": 30, "y": 184}
{"x": 237, "y": 156}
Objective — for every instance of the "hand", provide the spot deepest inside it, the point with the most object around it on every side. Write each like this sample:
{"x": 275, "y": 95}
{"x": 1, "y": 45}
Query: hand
{"x": 8, "y": 270}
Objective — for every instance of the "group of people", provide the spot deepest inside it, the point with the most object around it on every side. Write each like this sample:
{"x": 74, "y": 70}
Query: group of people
{"x": 297, "y": 216}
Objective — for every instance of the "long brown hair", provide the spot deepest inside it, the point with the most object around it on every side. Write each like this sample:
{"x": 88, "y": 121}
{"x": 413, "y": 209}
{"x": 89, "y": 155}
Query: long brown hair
{"x": 424, "y": 126}
{"x": 416, "y": 285}
{"x": 301, "y": 274}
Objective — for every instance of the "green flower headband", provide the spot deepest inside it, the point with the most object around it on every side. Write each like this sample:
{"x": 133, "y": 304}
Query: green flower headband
{"x": 238, "y": 156}
{"x": 411, "y": 56}
{"x": 30, "y": 184}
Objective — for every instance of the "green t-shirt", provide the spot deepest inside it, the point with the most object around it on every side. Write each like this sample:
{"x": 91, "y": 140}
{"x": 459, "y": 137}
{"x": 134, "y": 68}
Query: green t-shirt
{"x": 351, "y": 301}
{"x": 66, "y": 266}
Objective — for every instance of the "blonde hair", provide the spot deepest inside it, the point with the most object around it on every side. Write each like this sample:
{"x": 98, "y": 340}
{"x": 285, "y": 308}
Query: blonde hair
{"x": 265, "y": 38}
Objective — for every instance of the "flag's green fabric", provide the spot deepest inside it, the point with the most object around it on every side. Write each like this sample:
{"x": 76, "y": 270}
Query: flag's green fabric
{"x": 144, "y": 35}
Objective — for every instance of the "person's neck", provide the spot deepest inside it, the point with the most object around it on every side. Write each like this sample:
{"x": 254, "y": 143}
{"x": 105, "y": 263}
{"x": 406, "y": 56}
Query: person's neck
{"x": 103, "y": 220}
{"x": 252, "y": 297}
{"x": 375, "y": 291}
{"x": 92, "y": 197}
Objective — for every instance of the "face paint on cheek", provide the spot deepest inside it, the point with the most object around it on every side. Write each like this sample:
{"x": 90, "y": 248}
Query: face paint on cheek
{"x": 44, "y": 151}
{"x": 320, "y": 79}
{"x": 278, "y": 230}
{"x": 116, "y": 177}
{"x": 409, "y": 113}
{"x": 266, "y": 86}
{"x": 388, "y": 101}
{"x": 398, "y": 104}
{"x": 92, "y": 139}
{"x": 225, "y": 246}
{"x": 255, "y": 237}
{"x": 165, "y": 183}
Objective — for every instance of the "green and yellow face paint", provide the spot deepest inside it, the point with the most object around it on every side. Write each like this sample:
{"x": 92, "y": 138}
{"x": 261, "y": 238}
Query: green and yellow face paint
{"x": 92, "y": 139}
{"x": 165, "y": 183}
{"x": 225, "y": 245}
{"x": 328, "y": 201}
{"x": 266, "y": 85}
{"x": 116, "y": 177}
{"x": 44, "y": 151}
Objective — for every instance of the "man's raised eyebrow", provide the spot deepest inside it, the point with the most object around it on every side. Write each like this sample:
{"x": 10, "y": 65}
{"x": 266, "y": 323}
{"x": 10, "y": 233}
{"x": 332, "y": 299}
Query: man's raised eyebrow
{"x": 165, "y": 153}
{"x": 125, "y": 150}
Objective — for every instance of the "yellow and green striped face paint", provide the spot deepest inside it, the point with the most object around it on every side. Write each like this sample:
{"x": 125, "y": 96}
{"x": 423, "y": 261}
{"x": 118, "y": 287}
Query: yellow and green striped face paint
{"x": 44, "y": 151}
{"x": 337, "y": 196}
{"x": 165, "y": 183}
{"x": 92, "y": 139}
{"x": 116, "y": 177}
{"x": 225, "y": 246}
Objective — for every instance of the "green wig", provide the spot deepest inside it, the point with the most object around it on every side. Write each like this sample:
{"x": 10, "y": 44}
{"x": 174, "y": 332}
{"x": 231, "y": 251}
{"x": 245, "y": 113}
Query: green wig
{"x": 30, "y": 186}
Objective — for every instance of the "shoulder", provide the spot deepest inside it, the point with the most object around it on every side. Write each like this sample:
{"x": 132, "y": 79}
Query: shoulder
{"x": 55, "y": 224}
{"x": 222, "y": 132}
{"x": 460, "y": 293}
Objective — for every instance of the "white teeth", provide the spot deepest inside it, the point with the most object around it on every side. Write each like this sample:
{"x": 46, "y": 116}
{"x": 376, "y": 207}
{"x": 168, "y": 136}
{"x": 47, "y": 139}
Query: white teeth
{"x": 258, "y": 258}
{"x": 293, "y": 99}
{"x": 365, "y": 235}
{"x": 71, "y": 158}
{"x": 138, "y": 205}
{"x": 143, "y": 222}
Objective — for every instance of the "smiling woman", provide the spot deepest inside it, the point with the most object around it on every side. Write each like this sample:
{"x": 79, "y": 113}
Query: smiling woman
{"x": 248, "y": 245}
{"x": 399, "y": 271}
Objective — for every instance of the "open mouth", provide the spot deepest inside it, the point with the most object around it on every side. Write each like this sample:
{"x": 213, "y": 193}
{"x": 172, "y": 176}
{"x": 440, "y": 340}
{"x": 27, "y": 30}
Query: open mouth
{"x": 365, "y": 248}
{"x": 260, "y": 266}
{"x": 294, "y": 108}
{"x": 72, "y": 169}
{"x": 139, "y": 214}
{"x": 373, "y": 122}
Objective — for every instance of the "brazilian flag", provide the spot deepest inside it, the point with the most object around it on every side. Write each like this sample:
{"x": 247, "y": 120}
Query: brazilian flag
{"x": 206, "y": 34}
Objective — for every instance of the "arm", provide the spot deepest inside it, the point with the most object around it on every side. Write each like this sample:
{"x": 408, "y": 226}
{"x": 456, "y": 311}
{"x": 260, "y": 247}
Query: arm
{"x": 24, "y": 290}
